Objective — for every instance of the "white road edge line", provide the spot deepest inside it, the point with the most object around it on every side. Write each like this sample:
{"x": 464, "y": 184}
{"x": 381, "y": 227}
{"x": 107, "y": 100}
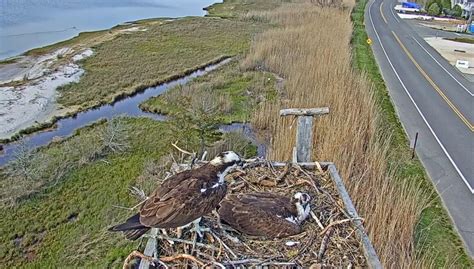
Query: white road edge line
{"x": 416, "y": 106}
{"x": 460, "y": 84}
{"x": 393, "y": 13}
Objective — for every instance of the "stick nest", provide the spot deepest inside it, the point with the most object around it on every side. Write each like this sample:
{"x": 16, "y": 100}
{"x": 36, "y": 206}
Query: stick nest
{"x": 330, "y": 243}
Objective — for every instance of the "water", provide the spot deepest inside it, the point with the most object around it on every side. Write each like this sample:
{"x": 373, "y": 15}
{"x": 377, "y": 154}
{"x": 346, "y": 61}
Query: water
{"x": 127, "y": 106}
{"x": 249, "y": 133}
{"x": 27, "y": 24}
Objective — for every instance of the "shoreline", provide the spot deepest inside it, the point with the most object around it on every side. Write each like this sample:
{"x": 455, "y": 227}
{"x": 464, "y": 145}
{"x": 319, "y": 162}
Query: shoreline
{"x": 46, "y": 125}
{"x": 32, "y": 51}
{"x": 56, "y": 111}
{"x": 63, "y": 24}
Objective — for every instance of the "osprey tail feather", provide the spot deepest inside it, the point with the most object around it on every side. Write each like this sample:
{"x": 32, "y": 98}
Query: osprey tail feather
{"x": 132, "y": 228}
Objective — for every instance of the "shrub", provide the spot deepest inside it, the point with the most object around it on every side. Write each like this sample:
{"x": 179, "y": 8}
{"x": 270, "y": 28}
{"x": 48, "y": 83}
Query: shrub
{"x": 434, "y": 9}
{"x": 457, "y": 11}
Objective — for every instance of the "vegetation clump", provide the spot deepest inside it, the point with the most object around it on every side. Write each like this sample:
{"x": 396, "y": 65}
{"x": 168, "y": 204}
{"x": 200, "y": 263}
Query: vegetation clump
{"x": 434, "y": 9}
{"x": 166, "y": 50}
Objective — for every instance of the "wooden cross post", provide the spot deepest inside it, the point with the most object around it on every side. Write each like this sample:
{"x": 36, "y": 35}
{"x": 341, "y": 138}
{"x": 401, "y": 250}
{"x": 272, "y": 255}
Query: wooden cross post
{"x": 304, "y": 132}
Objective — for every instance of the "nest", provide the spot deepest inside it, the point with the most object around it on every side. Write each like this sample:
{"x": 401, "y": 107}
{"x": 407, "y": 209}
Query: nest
{"x": 328, "y": 240}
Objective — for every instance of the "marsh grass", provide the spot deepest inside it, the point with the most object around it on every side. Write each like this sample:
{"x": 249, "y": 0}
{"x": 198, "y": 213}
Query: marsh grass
{"x": 166, "y": 49}
{"x": 234, "y": 93}
{"x": 64, "y": 222}
{"x": 61, "y": 219}
{"x": 311, "y": 50}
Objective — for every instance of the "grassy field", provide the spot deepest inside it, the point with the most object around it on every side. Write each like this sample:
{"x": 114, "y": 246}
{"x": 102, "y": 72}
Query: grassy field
{"x": 59, "y": 212}
{"x": 65, "y": 224}
{"x": 434, "y": 234}
{"x": 233, "y": 93}
{"x": 57, "y": 202}
{"x": 462, "y": 40}
{"x": 68, "y": 202}
{"x": 236, "y": 8}
{"x": 141, "y": 59}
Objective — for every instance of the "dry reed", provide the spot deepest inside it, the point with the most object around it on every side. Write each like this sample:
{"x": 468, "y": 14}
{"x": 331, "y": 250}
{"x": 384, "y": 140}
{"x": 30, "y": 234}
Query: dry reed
{"x": 311, "y": 51}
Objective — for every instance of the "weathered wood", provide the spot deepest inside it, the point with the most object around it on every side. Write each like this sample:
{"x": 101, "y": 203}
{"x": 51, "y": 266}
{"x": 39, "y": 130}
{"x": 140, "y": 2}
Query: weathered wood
{"x": 150, "y": 248}
{"x": 304, "y": 132}
{"x": 304, "y": 111}
{"x": 369, "y": 251}
{"x": 304, "y": 139}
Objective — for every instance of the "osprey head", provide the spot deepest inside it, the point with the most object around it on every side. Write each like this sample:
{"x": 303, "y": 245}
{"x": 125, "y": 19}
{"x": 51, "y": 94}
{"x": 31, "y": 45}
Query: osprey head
{"x": 227, "y": 159}
{"x": 302, "y": 202}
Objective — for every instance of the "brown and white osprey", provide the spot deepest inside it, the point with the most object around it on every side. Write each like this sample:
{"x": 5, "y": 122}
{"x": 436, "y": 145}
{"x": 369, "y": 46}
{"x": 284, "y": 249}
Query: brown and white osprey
{"x": 265, "y": 214}
{"x": 183, "y": 198}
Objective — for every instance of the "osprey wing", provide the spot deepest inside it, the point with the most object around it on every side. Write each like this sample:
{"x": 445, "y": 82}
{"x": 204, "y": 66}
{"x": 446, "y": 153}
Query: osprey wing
{"x": 174, "y": 205}
{"x": 265, "y": 215}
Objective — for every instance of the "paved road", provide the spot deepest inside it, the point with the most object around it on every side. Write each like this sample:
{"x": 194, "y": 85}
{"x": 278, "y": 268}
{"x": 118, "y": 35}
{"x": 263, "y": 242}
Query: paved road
{"x": 432, "y": 98}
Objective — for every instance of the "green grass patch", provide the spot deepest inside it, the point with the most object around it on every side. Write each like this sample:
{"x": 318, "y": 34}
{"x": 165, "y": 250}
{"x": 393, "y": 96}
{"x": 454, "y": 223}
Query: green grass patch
{"x": 236, "y": 8}
{"x": 64, "y": 223}
{"x": 233, "y": 93}
{"x": 167, "y": 49}
{"x": 84, "y": 37}
{"x": 462, "y": 40}
{"x": 435, "y": 235}
{"x": 9, "y": 61}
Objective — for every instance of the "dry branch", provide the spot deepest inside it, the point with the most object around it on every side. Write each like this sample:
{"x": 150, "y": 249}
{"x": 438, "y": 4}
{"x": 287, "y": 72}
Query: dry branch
{"x": 138, "y": 254}
{"x": 224, "y": 250}
{"x": 324, "y": 244}
{"x": 182, "y": 256}
{"x": 338, "y": 223}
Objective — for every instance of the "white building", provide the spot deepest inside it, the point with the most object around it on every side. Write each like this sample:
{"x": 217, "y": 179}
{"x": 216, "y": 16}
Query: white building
{"x": 466, "y": 5}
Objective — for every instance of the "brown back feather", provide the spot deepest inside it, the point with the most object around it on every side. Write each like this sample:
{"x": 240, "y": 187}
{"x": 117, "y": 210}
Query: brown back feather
{"x": 260, "y": 214}
{"x": 179, "y": 200}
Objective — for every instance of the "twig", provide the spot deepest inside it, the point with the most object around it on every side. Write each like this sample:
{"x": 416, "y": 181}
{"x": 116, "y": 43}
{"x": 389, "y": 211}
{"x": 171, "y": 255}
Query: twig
{"x": 259, "y": 262}
{"x": 182, "y": 256}
{"x": 316, "y": 219}
{"x": 285, "y": 172}
{"x": 218, "y": 264}
{"x": 244, "y": 261}
{"x": 130, "y": 208}
{"x": 181, "y": 150}
{"x": 204, "y": 155}
{"x": 249, "y": 184}
{"x": 135, "y": 254}
{"x": 185, "y": 242}
{"x": 138, "y": 193}
{"x": 211, "y": 259}
{"x": 318, "y": 166}
{"x": 223, "y": 244}
{"x": 339, "y": 222}
{"x": 324, "y": 244}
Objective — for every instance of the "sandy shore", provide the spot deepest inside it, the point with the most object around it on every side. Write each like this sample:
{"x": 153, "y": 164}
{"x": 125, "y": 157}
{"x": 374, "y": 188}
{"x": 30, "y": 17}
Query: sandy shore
{"x": 34, "y": 101}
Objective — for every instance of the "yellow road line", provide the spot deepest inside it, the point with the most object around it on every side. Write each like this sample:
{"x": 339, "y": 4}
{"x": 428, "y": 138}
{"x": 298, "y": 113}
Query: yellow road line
{"x": 381, "y": 13}
{"x": 451, "y": 105}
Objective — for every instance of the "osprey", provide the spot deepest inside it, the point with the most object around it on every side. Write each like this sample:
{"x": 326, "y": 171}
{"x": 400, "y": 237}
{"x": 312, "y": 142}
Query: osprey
{"x": 183, "y": 198}
{"x": 265, "y": 214}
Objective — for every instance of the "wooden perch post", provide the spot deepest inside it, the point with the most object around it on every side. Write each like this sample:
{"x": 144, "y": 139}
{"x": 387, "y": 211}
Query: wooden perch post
{"x": 304, "y": 131}
{"x": 150, "y": 249}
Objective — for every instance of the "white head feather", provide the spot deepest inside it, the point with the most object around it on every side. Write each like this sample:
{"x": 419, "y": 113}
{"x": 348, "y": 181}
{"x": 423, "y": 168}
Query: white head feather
{"x": 302, "y": 205}
{"x": 226, "y": 158}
